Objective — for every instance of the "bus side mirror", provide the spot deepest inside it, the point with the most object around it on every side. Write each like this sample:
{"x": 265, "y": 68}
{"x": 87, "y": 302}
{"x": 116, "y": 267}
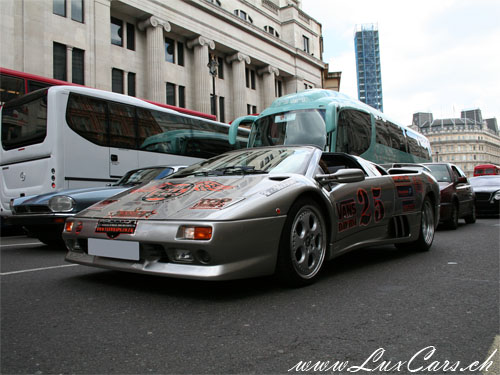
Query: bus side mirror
{"x": 331, "y": 117}
{"x": 233, "y": 129}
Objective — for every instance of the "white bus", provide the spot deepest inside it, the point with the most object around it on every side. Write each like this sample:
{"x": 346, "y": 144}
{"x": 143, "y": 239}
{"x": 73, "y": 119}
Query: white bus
{"x": 69, "y": 137}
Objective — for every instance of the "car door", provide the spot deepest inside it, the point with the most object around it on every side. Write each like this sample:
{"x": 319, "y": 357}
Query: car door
{"x": 464, "y": 191}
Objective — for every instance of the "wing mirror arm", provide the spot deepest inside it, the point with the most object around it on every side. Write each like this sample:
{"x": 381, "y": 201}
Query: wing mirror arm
{"x": 342, "y": 176}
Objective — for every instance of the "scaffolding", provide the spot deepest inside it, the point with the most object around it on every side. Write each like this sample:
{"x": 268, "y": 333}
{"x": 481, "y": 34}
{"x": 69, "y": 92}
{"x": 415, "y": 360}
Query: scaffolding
{"x": 367, "y": 51}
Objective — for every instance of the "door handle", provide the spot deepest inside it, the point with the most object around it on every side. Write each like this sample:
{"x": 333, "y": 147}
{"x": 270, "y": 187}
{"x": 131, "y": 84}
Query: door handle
{"x": 114, "y": 157}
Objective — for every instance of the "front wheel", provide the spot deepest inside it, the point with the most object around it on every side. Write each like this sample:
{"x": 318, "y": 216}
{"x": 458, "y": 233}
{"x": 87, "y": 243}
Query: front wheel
{"x": 471, "y": 219}
{"x": 303, "y": 244}
{"x": 427, "y": 228}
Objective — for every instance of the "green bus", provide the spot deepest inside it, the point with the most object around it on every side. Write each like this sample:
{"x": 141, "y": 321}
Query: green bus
{"x": 336, "y": 123}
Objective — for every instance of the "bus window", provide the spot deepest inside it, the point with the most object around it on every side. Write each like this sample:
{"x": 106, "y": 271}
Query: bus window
{"x": 35, "y": 85}
{"x": 122, "y": 126}
{"x": 87, "y": 117}
{"x": 24, "y": 121}
{"x": 11, "y": 88}
{"x": 354, "y": 132}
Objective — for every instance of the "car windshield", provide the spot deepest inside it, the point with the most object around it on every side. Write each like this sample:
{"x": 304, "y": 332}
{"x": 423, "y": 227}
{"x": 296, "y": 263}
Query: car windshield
{"x": 301, "y": 127}
{"x": 440, "y": 172}
{"x": 139, "y": 176}
{"x": 490, "y": 181}
{"x": 252, "y": 161}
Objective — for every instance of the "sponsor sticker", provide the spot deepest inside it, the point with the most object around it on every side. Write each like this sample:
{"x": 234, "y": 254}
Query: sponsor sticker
{"x": 114, "y": 227}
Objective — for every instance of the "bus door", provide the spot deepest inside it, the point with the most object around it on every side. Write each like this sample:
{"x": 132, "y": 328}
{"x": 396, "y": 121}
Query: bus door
{"x": 123, "y": 154}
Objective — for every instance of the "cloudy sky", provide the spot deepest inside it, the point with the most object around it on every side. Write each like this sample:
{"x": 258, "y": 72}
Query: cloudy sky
{"x": 439, "y": 56}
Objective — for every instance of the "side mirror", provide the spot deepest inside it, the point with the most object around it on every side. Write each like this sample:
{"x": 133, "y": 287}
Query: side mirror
{"x": 462, "y": 180}
{"x": 342, "y": 176}
{"x": 233, "y": 129}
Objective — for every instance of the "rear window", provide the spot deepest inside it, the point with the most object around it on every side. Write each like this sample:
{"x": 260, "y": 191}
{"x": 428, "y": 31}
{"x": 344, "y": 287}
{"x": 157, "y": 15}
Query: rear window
{"x": 24, "y": 120}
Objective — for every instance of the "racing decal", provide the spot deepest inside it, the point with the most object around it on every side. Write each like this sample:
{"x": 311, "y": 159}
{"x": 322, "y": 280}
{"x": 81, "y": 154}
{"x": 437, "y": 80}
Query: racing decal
{"x": 405, "y": 191}
{"x": 100, "y": 205}
{"x": 379, "y": 211}
{"x": 278, "y": 187}
{"x": 169, "y": 190}
{"x": 114, "y": 227}
{"x": 401, "y": 179}
{"x": 211, "y": 204}
{"x": 346, "y": 211}
{"x": 137, "y": 213}
{"x": 409, "y": 206}
{"x": 419, "y": 186}
{"x": 366, "y": 215}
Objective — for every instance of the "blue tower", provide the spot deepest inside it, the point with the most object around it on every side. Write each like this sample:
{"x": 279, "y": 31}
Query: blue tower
{"x": 366, "y": 45}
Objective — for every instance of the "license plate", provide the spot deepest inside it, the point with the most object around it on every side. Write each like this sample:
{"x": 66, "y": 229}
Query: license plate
{"x": 114, "y": 249}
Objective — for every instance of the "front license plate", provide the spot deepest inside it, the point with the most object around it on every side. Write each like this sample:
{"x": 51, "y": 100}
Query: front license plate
{"x": 114, "y": 249}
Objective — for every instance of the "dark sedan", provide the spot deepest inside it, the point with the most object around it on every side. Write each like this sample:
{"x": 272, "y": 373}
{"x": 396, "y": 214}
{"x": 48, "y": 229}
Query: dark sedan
{"x": 487, "y": 189}
{"x": 457, "y": 196}
{"x": 43, "y": 216}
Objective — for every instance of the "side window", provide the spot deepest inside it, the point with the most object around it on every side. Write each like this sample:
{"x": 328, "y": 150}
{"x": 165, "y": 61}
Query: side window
{"x": 122, "y": 126}
{"x": 87, "y": 117}
{"x": 12, "y": 87}
{"x": 354, "y": 132}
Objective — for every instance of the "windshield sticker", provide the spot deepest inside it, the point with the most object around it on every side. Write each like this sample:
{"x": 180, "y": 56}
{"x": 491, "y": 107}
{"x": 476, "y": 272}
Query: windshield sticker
{"x": 286, "y": 117}
{"x": 137, "y": 213}
{"x": 211, "y": 204}
{"x": 169, "y": 190}
{"x": 114, "y": 227}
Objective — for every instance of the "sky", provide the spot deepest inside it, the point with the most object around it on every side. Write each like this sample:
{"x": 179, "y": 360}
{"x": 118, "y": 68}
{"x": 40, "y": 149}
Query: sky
{"x": 439, "y": 56}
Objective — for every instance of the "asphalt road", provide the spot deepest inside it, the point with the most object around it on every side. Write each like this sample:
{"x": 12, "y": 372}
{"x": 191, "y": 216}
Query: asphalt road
{"x": 62, "y": 318}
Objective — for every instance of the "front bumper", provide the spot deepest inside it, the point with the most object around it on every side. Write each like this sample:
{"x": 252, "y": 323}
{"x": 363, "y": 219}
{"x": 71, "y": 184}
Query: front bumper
{"x": 238, "y": 249}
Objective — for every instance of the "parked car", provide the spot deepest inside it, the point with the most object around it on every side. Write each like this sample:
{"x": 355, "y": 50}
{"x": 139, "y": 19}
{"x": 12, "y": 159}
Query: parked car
{"x": 457, "y": 196}
{"x": 43, "y": 216}
{"x": 254, "y": 212}
{"x": 487, "y": 189}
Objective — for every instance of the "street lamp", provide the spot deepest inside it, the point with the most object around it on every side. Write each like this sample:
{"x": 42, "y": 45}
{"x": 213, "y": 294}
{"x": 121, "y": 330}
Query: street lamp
{"x": 212, "y": 66}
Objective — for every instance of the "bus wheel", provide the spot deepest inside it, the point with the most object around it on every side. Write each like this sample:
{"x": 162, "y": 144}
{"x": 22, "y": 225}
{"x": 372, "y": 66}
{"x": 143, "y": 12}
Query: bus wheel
{"x": 303, "y": 245}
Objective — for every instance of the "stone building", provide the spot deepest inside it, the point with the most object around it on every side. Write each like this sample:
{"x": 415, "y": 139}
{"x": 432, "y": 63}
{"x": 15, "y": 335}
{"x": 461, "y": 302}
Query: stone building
{"x": 160, "y": 49}
{"x": 466, "y": 141}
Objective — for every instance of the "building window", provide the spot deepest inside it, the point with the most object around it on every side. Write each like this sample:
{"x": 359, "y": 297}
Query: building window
{"x": 131, "y": 84}
{"x": 130, "y": 36}
{"x": 77, "y": 67}
{"x": 251, "y": 109}
{"x": 243, "y": 15}
{"x": 180, "y": 53}
{"x": 222, "y": 109}
{"x": 250, "y": 78}
{"x": 220, "y": 67}
{"x": 59, "y": 7}
{"x": 212, "y": 104}
{"x": 59, "y": 61}
{"x": 305, "y": 40}
{"x": 278, "y": 88}
{"x": 116, "y": 32}
{"x": 169, "y": 50}
{"x": 272, "y": 31}
{"x": 216, "y": 2}
{"x": 117, "y": 80}
{"x": 170, "y": 93}
{"x": 182, "y": 97}
{"x": 77, "y": 10}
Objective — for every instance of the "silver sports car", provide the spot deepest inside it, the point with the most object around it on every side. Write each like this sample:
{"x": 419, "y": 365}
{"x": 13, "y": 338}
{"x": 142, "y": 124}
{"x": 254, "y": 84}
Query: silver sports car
{"x": 253, "y": 212}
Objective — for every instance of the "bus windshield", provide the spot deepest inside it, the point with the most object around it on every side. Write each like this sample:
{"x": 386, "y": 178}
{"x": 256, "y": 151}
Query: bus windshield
{"x": 24, "y": 120}
{"x": 290, "y": 128}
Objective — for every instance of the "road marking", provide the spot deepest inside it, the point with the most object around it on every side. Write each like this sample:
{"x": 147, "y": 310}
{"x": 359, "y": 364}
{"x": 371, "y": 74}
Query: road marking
{"x": 23, "y": 244}
{"x": 38, "y": 269}
{"x": 495, "y": 368}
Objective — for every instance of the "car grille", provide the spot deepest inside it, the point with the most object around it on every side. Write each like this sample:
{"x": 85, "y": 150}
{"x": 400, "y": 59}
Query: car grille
{"x": 32, "y": 209}
{"x": 483, "y": 196}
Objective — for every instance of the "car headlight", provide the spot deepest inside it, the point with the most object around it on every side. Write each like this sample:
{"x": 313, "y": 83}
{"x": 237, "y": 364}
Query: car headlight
{"x": 61, "y": 203}
{"x": 496, "y": 196}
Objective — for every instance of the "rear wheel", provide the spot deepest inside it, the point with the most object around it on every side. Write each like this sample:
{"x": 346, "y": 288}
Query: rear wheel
{"x": 427, "y": 228}
{"x": 452, "y": 222}
{"x": 303, "y": 244}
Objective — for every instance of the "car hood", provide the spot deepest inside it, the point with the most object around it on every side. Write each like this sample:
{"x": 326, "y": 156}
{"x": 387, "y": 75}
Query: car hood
{"x": 194, "y": 198}
{"x": 486, "y": 189}
{"x": 95, "y": 194}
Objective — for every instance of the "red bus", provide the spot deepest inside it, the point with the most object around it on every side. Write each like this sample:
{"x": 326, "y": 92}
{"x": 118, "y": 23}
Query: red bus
{"x": 14, "y": 83}
{"x": 486, "y": 169}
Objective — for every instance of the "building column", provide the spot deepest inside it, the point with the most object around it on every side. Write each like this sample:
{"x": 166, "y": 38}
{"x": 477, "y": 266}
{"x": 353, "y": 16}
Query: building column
{"x": 294, "y": 84}
{"x": 201, "y": 75}
{"x": 268, "y": 74}
{"x": 69, "y": 64}
{"x": 155, "y": 58}
{"x": 99, "y": 67}
{"x": 238, "y": 61}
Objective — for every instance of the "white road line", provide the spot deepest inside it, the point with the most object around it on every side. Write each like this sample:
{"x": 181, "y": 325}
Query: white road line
{"x": 22, "y": 244}
{"x": 38, "y": 269}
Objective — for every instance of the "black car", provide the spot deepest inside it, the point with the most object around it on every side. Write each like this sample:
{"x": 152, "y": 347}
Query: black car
{"x": 487, "y": 189}
{"x": 43, "y": 216}
{"x": 457, "y": 195}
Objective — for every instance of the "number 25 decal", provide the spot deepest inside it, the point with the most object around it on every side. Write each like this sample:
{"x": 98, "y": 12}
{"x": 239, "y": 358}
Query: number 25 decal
{"x": 366, "y": 213}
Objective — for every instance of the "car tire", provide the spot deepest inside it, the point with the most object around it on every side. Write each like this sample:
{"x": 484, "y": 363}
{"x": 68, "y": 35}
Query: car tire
{"x": 426, "y": 231}
{"x": 471, "y": 219}
{"x": 303, "y": 245}
{"x": 452, "y": 222}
